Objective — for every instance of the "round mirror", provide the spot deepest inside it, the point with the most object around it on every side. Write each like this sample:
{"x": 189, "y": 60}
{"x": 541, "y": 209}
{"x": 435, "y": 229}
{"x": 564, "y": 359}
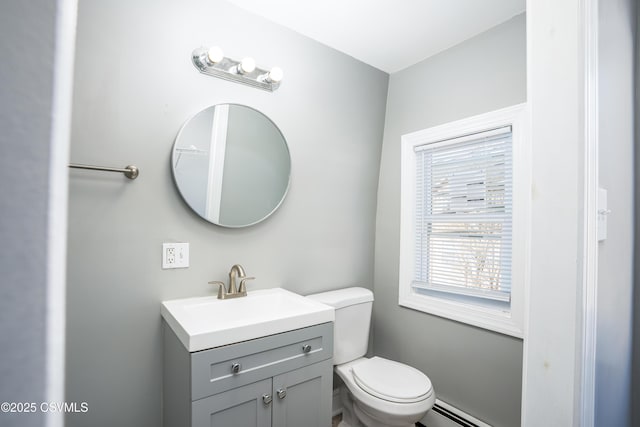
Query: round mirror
{"x": 231, "y": 165}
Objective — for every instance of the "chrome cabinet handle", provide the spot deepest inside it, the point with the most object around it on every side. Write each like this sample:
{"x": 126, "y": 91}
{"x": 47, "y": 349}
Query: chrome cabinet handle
{"x": 306, "y": 348}
{"x": 235, "y": 368}
{"x": 282, "y": 393}
{"x": 267, "y": 399}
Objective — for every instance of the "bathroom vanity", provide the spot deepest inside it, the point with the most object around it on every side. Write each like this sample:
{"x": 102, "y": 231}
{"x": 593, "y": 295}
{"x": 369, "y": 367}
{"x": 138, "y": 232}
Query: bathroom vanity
{"x": 281, "y": 379}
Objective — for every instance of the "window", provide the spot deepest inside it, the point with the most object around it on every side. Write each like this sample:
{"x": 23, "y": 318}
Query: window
{"x": 462, "y": 208}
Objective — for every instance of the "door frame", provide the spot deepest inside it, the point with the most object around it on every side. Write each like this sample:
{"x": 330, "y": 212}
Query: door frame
{"x": 590, "y": 243}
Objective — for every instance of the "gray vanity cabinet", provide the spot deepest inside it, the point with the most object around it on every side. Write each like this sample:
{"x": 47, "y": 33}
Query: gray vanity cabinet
{"x": 282, "y": 380}
{"x": 242, "y": 406}
{"x": 306, "y": 402}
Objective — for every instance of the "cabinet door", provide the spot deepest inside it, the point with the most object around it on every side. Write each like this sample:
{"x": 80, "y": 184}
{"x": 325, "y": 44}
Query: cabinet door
{"x": 240, "y": 407}
{"x": 303, "y": 397}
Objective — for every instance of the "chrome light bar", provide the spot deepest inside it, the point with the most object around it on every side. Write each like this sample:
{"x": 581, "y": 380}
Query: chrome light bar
{"x": 211, "y": 61}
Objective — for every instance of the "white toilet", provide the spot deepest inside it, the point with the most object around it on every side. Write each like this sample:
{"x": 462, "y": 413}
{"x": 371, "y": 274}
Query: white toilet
{"x": 381, "y": 392}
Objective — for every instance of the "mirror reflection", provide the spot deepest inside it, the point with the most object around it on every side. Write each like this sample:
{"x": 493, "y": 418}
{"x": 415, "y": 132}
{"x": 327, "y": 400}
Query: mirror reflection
{"x": 231, "y": 165}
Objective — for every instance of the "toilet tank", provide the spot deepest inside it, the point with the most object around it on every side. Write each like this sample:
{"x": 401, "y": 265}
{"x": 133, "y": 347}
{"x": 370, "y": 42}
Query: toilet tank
{"x": 353, "y": 318}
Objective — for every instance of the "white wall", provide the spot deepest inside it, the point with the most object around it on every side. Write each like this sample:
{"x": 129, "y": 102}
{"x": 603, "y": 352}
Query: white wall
{"x": 555, "y": 75}
{"x": 615, "y": 291}
{"x": 36, "y": 41}
{"x": 24, "y": 204}
{"x": 476, "y": 370}
{"x": 135, "y": 85}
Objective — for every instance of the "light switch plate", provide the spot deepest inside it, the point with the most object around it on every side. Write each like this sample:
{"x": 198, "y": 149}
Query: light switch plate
{"x": 603, "y": 213}
{"x": 175, "y": 255}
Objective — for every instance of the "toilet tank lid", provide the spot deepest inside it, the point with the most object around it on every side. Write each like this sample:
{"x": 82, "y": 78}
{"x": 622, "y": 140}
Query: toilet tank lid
{"x": 344, "y": 297}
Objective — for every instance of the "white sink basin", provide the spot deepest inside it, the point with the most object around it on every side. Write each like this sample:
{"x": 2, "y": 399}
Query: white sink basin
{"x": 206, "y": 322}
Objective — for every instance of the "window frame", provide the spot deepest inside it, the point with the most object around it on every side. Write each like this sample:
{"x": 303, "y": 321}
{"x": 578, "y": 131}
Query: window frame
{"x": 511, "y": 322}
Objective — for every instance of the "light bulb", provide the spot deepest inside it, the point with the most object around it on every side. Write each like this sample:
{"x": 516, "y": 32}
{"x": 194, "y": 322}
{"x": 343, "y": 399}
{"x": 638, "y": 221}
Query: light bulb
{"x": 247, "y": 65}
{"x": 275, "y": 75}
{"x": 215, "y": 54}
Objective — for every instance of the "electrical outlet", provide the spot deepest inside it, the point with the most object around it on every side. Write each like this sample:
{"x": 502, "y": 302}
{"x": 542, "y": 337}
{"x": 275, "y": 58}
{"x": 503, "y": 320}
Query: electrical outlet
{"x": 171, "y": 256}
{"x": 175, "y": 255}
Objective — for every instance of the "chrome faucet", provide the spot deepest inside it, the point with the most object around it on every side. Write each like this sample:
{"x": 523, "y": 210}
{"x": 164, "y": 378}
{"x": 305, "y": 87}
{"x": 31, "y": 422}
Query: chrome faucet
{"x": 237, "y": 272}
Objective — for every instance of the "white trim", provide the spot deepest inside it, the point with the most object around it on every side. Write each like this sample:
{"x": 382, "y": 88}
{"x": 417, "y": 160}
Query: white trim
{"x": 217, "y": 149}
{"x": 470, "y": 137}
{"x": 527, "y": 292}
{"x": 507, "y": 323}
{"x": 551, "y": 388}
{"x": 66, "y": 15}
{"x": 590, "y": 245}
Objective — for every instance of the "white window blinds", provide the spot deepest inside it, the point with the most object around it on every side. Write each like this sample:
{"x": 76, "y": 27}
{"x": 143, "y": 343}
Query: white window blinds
{"x": 463, "y": 223}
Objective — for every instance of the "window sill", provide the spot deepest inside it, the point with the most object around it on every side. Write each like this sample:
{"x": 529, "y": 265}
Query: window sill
{"x": 493, "y": 320}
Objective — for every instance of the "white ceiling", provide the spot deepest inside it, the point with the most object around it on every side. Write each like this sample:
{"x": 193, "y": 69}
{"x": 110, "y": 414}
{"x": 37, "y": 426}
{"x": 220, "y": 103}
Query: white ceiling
{"x": 387, "y": 34}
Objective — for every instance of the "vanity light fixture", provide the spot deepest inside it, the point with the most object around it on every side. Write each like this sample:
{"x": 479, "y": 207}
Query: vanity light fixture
{"x": 214, "y": 55}
{"x": 211, "y": 61}
{"x": 246, "y": 66}
{"x": 273, "y": 76}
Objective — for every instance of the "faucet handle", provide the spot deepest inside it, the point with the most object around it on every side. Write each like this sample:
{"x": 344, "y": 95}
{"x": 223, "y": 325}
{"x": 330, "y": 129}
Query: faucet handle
{"x": 243, "y": 286}
{"x": 222, "y": 291}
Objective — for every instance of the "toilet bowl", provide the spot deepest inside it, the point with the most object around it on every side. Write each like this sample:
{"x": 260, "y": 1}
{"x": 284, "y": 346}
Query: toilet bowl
{"x": 385, "y": 392}
{"x": 377, "y": 392}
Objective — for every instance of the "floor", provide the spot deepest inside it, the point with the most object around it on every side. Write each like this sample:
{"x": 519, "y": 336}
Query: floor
{"x": 336, "y": 420}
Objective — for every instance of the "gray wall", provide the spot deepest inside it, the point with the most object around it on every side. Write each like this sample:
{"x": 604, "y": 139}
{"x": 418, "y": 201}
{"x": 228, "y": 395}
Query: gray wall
{"x": 473, "y": 369}
{"x": 635, "y": 383}
{"x": 134, "y": 87}
{"x": 615, "y": 264}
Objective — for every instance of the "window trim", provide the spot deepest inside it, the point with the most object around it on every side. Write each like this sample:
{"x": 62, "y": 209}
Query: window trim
{"x": 511, "y": 323}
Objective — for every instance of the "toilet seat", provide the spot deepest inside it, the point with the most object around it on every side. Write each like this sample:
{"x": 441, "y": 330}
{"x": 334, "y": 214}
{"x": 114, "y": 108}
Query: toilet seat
{"x": 383, "y": 408}
{"x": 391, "y": 381}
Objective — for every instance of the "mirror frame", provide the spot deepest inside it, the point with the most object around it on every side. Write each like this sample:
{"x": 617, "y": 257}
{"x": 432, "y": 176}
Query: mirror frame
{"x": 177, "y": 185}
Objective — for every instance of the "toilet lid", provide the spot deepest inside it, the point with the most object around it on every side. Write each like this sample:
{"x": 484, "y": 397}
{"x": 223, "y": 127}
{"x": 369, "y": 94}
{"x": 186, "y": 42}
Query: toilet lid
{"x": 392, "y": 381}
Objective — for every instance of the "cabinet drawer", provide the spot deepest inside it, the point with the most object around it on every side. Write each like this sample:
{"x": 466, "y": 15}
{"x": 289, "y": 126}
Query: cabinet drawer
{"x": 213, "y": 370}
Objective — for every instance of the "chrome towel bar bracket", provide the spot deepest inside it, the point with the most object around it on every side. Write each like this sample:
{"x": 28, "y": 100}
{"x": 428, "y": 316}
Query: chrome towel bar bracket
{"x": 129, "y": 171}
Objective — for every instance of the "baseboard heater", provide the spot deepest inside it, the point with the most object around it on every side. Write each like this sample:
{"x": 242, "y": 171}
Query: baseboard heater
{"x": 444, "y": 415}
